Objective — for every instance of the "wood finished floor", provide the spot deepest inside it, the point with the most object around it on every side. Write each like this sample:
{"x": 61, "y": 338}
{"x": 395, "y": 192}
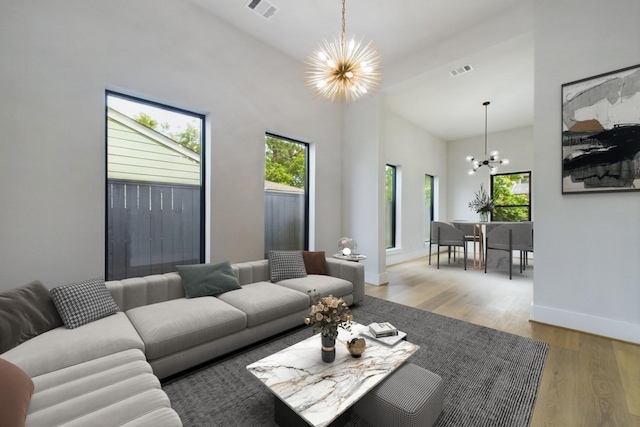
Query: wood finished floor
{"x": 587, "y": 380}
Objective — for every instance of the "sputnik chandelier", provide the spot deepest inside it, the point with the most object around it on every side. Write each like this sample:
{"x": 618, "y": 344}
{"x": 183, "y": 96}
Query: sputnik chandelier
{"x": 343, "y": 71}
{"x": 493, "y": 160}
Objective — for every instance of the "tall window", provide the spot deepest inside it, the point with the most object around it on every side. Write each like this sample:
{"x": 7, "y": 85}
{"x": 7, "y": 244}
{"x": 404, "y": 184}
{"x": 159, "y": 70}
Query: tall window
{"x": 511, "y": 193}
{"x": 390, "y": 206}
{"x": 286, "y": 195}
{"x": 155, "y": 187}
{"x": 428, "y": 206}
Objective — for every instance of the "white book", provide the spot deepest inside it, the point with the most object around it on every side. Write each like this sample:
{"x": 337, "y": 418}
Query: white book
{"x": 383, "y": 329}
{"x": 389, "y": 340}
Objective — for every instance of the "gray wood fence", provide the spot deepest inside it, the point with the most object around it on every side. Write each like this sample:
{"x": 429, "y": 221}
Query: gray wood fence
{"x": 151, "y": 228}
{"x": 283, "y": 221}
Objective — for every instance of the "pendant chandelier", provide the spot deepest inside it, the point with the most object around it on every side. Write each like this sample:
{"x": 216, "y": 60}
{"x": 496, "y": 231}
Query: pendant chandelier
{"x": 341, "y": 70}
{"x": 492, "y": 161}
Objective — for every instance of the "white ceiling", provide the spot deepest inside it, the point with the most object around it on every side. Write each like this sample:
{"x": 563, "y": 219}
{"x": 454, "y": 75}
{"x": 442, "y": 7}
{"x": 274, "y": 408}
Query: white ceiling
{"x": 449, "y": 107}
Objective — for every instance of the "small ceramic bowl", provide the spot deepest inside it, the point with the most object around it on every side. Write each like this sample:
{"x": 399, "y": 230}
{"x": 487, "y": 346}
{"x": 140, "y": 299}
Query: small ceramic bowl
{"x": 356, "y": 346}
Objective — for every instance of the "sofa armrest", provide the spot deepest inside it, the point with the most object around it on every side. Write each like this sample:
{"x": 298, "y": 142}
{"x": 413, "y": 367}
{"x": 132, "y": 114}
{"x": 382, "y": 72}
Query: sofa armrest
{"x": 351, "y": 271}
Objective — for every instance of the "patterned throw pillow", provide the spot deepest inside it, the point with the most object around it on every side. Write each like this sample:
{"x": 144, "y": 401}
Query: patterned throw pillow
{"x": 286, "y": 265}
{"x": 83, "y": 302}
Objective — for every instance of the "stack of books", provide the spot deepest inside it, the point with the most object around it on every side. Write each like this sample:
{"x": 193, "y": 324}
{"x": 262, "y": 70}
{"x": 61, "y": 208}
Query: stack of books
{"x": 384, "y": 329}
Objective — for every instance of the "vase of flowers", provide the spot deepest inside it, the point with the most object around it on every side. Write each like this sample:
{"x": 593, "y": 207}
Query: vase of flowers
{"x": 482, "y": 204}
{"x": 327, "y": 314}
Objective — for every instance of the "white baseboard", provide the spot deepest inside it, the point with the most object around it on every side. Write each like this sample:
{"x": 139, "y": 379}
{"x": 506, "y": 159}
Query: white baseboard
{"x": 586, "y": 323}
{"x": 376, "y": 279}
{"x": 406, "y": 256}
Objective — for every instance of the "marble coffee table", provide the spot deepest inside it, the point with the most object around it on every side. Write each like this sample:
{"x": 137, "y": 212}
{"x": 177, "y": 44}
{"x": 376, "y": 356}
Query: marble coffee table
{"x": 309, "y": 391}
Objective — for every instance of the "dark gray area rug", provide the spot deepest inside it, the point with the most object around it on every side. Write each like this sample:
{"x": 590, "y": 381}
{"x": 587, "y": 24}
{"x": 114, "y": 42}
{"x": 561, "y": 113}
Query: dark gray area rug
{"x": 491, "y": 377}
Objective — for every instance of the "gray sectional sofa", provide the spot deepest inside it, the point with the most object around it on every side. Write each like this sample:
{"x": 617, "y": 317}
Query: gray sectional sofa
{"x": 107, "y": 372}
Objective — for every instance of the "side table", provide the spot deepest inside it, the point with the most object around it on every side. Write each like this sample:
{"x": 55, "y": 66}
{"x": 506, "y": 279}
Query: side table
{"x": 352, "y": 257}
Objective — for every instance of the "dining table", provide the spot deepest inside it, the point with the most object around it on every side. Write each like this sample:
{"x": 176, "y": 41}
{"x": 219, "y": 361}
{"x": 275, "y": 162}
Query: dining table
{"x": 478, "y": 233}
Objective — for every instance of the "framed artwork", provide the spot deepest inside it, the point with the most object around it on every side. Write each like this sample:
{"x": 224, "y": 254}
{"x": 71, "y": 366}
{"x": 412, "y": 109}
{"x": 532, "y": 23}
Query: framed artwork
{"x": 601, "y": 133}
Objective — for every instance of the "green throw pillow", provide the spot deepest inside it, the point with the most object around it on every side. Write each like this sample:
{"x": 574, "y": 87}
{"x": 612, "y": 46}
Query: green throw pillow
{"x": 201, "y": 280}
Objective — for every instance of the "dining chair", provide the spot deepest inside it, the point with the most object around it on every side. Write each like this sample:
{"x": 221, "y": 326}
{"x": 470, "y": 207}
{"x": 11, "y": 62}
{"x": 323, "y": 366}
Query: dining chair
{"x": 447, "y": 235}
{"x": 524, "y": 254}
{"x": 509, "y": 237}
{"x": 471, "y": 233}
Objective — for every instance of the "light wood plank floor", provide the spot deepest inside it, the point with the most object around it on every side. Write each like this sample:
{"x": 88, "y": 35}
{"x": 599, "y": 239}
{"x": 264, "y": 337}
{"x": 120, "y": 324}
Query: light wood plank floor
{"x": 587, "y": 380}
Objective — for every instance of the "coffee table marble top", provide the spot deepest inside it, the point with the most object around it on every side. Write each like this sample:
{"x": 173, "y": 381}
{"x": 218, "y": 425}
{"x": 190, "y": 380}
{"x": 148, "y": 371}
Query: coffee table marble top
{"x": 319, "y": 392}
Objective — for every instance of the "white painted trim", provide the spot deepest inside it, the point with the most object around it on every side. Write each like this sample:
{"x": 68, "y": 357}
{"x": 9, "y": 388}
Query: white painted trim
{"x": 586, "y": 323}
{"x": 376, "y": 279}
{"x": 398, "y": 258}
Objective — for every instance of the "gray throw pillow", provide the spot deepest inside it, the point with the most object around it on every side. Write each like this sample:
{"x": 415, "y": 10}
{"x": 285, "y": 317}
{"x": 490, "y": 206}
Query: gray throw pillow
{"x": 26, "y": 312}
{"x": 83, "y": 302}
{"x": 201, "y": 280}
{"x": 286, "y": 265}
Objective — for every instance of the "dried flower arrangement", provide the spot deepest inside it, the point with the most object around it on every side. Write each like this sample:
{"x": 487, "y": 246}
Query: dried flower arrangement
{"x": 327, "y": 314}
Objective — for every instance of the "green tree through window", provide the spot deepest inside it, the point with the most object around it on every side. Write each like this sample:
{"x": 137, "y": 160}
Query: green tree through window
{"x": 512, "y": 196}
{"x": 285, "y": 162}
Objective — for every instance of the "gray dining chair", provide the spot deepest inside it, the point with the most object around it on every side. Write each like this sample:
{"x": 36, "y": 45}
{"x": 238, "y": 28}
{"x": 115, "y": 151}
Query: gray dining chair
{"x": 471, "y": 234}
{"x": 444, "y": 234}
{"x": 509, "y": 237}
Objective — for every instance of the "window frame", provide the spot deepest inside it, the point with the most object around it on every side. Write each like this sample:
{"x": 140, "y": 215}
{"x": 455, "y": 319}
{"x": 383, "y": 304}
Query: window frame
{"x": 203, "y": 168}
{"x": 307, "y": 151}
{"x": 394, "y": 206}
{"x": 528, "y": 206}
{"x": 430, "y": 208}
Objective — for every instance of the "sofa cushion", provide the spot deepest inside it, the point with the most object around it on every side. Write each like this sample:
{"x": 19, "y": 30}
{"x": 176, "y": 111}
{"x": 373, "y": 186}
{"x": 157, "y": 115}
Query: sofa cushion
{"x": 111, "y": 390}
{"x": 26, "y": 312}
{"x": 170, "y": 326}
{"x": 15, "y": 394}
{"x": 286, "y": 265}
{"x": 315, "y": 262}
{"x": 207, "y": 279}
{"x": 83, "y": 302}
{"x": 264, "y": 301}
{"x": 66, "y": 347}
{"x": 318, "y": 284}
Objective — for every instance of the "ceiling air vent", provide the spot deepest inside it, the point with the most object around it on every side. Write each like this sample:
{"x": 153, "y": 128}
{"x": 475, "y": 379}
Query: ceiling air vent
{"x": 263, "y": 8}
{"x": 461, "y": 70}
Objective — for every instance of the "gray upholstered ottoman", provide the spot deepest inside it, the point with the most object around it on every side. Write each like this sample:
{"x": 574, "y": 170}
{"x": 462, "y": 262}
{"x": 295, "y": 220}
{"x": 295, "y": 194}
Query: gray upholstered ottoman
{"x": 411, "y": 396}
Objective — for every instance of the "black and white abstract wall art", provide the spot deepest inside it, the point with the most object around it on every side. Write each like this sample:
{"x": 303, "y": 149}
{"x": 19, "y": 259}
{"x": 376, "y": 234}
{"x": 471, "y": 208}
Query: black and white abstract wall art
{"x": 601, "y": 133}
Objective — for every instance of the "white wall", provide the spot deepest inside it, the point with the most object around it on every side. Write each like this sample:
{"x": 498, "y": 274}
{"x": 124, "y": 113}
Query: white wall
{"x": 416, "y": 153}
{"x": 587, "y": 245}
{"x": 59, "y": 56}
{"x": 515, "y": 145}
{"x": 363, "y": 184}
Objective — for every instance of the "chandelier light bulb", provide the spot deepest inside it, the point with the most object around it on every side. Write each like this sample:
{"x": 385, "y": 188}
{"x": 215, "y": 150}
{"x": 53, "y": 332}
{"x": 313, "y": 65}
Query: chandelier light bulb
{"x": 348, "y": 70}
{"x": 472, "y": 172}
{"x": 504, "y": 161}
{"x": 469, "y": 159}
